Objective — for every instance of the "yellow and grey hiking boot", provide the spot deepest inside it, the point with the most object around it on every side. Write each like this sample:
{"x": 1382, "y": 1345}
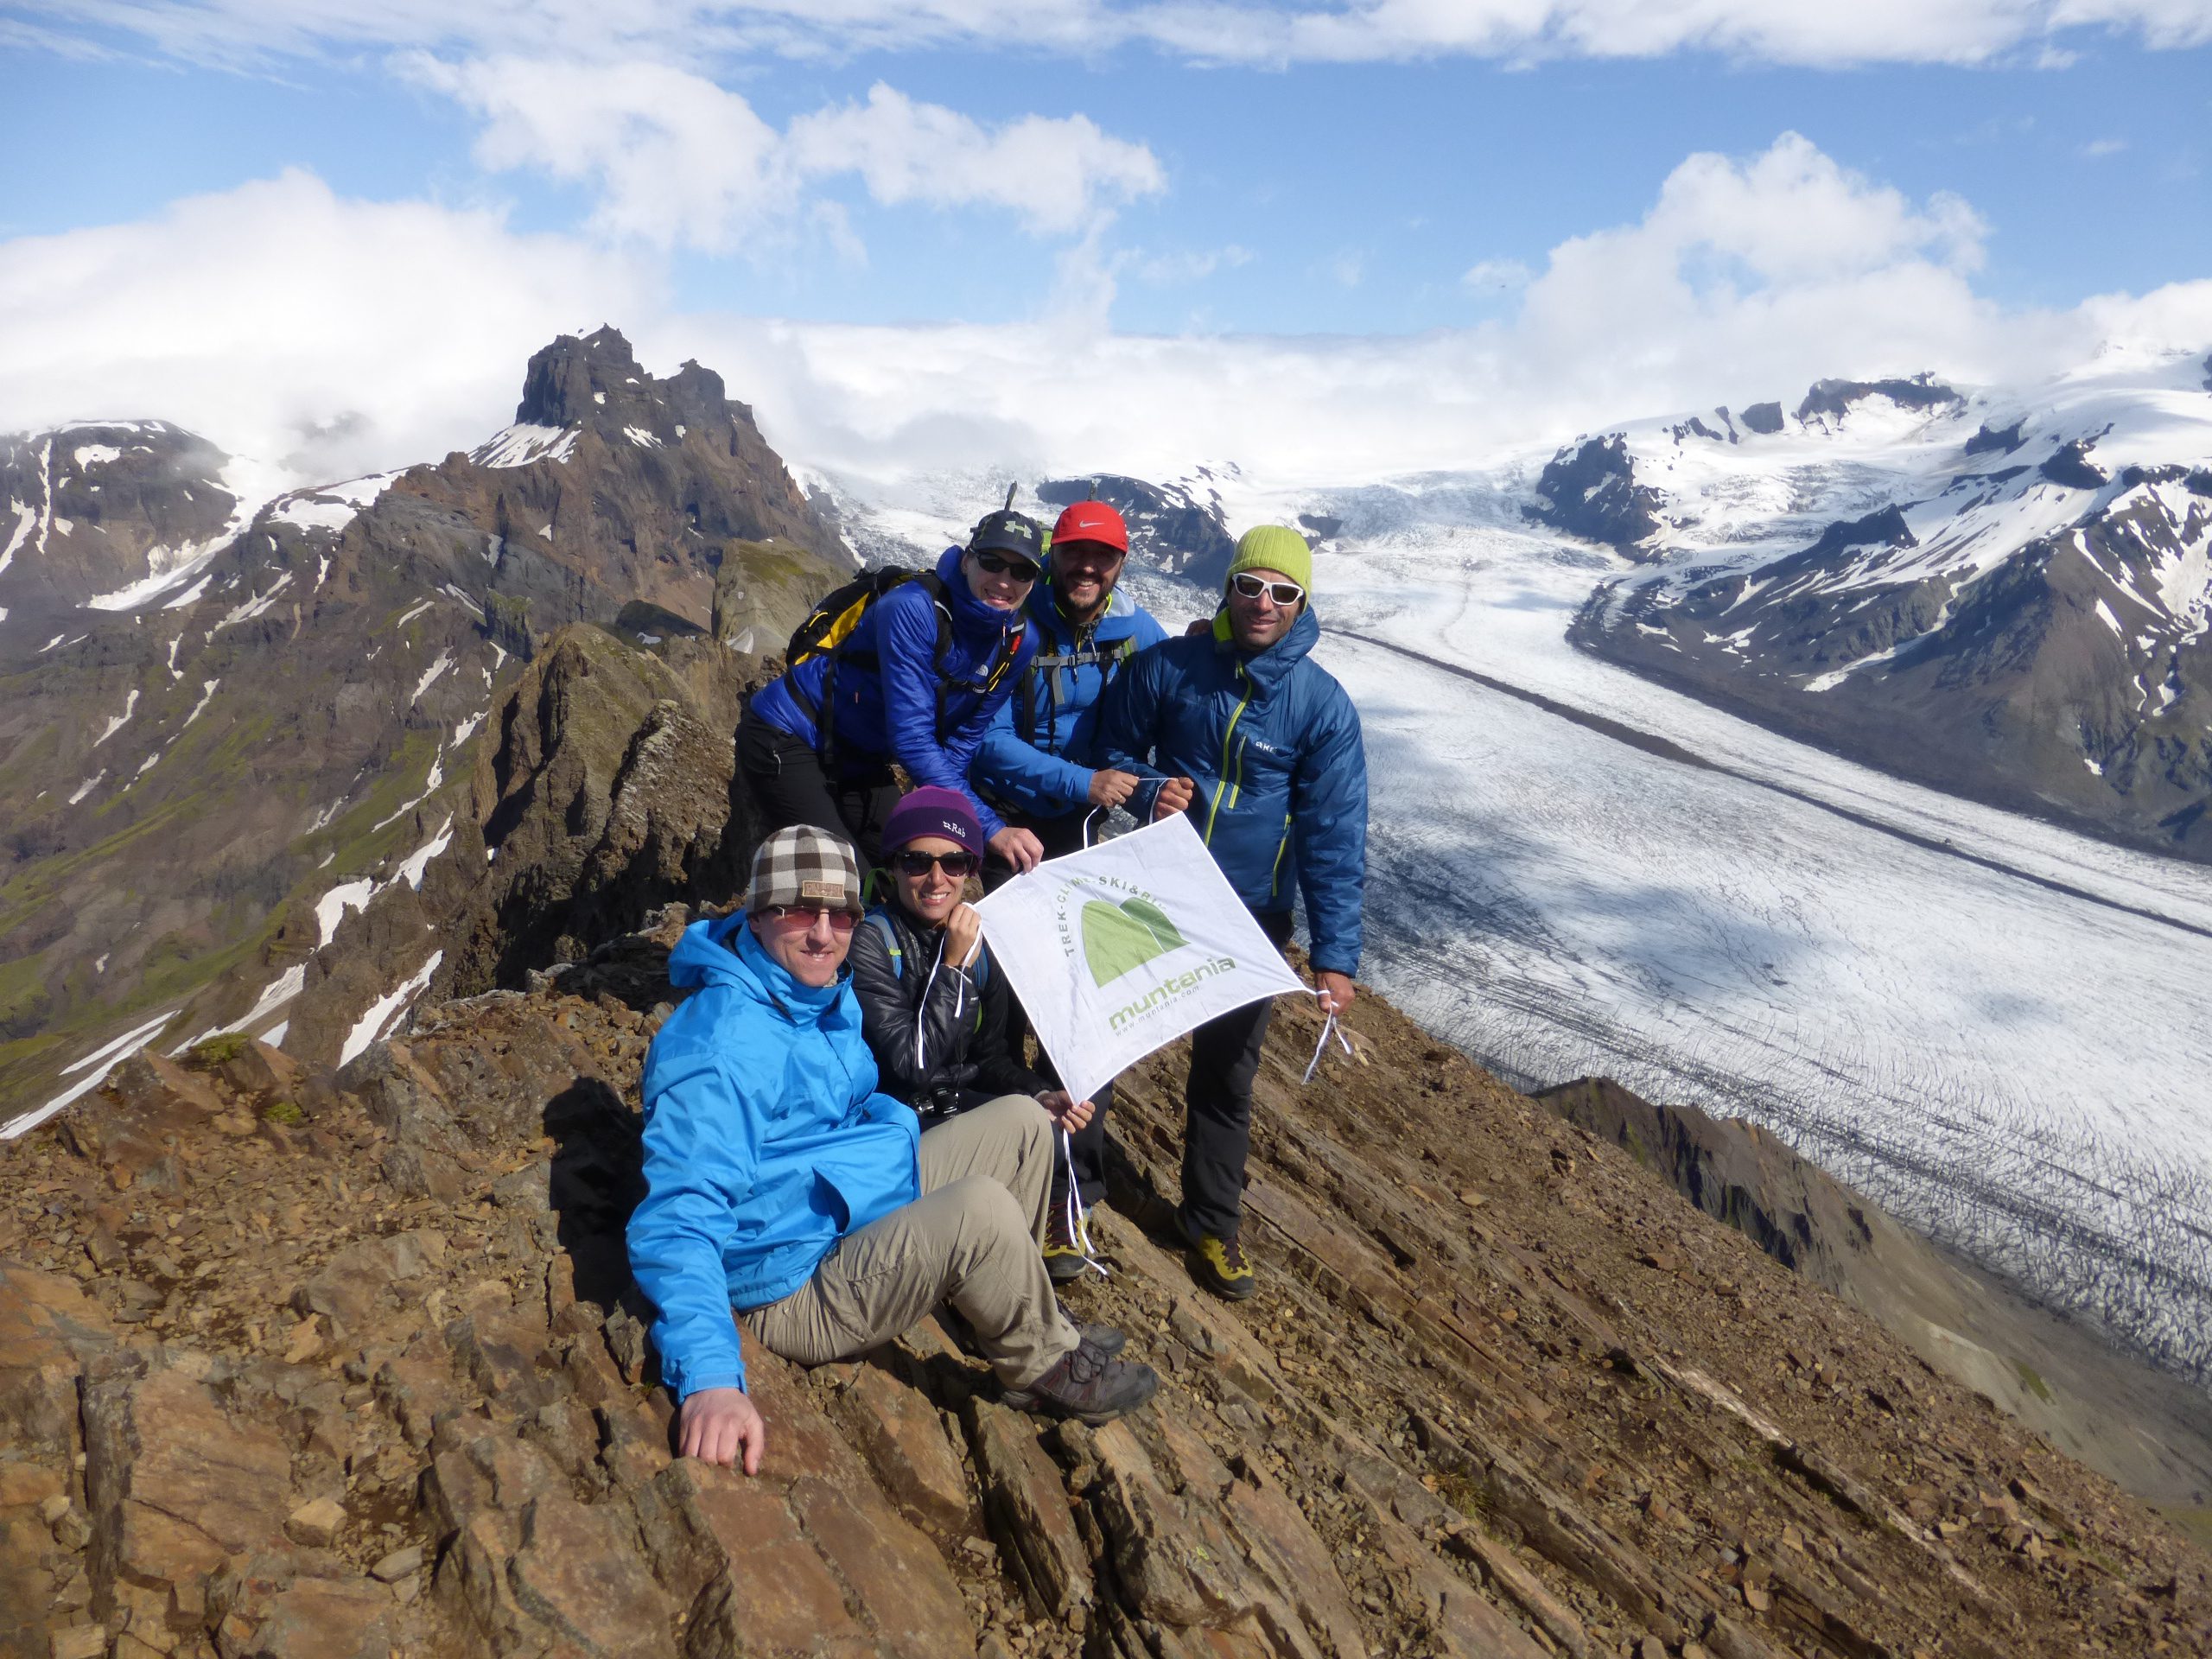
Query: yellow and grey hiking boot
{"x": 1067, "y": 1247}
{"x": 1221, "y": 1266}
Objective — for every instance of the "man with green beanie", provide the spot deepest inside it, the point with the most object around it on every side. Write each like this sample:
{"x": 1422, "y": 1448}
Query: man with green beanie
{"x": 1242, "y": 729}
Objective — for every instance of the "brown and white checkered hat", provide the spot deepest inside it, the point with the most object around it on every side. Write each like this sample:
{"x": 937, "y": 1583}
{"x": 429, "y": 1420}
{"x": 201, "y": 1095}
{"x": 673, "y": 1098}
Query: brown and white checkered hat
{"x": 803, "y": 865}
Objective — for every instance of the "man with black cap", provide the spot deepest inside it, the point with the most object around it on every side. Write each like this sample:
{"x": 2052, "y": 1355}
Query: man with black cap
{"x": 782, "y": 1186}
{"x": 916, "y": 683}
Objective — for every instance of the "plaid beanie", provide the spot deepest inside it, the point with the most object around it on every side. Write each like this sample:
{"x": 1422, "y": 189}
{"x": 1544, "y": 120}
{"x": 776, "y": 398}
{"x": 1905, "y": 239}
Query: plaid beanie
{"x": 930, "y": 810}
{"x": 1274, "y": 547}
{"x": 803, "y": 865}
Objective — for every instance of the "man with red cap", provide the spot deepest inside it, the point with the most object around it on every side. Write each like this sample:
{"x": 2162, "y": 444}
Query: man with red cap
{"x": 1034, "y": 763}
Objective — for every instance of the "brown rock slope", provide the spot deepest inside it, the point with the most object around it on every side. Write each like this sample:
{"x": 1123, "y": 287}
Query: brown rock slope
{"x": 293, "y": 1364}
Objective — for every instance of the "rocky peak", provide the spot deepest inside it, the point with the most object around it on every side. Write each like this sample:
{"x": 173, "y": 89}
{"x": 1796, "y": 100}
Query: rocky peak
{"x": 1590, "y": 490}
{"x": 88, "y": 510}
{"x": 1833, "y": 400}
{"x": 594, "y": 381}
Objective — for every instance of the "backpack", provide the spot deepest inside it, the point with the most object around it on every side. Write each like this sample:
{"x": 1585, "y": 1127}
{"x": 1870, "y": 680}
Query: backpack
{"x": 1049, "y": 664}
{"x": 830, "y": 624}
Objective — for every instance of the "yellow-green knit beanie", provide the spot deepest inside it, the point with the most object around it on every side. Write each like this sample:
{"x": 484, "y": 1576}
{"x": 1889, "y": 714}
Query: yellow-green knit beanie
{"x": 1274, "y": 547}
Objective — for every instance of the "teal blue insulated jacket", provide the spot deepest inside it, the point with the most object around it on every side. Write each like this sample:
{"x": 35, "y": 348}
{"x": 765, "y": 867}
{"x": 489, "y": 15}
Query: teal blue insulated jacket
{"x": 1273, "y": 743}
{"x": 1037, "y": 755}
{"x": 765, "y": 1143}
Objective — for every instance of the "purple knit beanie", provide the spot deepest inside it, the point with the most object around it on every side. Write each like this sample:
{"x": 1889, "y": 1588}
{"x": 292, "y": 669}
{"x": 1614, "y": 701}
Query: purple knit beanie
{"x": 929, "y": 811}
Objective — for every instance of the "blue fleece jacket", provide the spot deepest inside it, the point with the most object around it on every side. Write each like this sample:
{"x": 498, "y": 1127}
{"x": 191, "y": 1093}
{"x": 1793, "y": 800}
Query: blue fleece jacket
{"x": 1047, "y": 773}
{"x": 765, "y": 1142}
{"x": 887, "y": 685}
{"x": 1273, "y": 743}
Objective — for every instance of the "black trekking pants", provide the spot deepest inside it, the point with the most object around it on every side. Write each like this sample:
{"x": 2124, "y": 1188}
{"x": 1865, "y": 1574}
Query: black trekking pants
{"x": 1086, "y": 1146}
{"x": 1225, "y": 1059}
{"x": 790, "y": 786}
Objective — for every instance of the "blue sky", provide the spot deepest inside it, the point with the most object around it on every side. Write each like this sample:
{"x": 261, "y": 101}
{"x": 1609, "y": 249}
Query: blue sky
{"x": 1166, "y": 170}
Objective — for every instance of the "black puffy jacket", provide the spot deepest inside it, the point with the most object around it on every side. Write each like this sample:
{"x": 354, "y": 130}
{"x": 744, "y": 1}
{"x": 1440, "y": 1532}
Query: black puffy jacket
{"x": 950, "y": 1051}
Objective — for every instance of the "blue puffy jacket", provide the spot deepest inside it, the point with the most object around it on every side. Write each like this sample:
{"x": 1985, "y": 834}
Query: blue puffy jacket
{"x": 1036, "y": 757}
{"x": 1273, "y": 743}
{"x": 765, "y": 1142}
{"x": 887, "y": 685}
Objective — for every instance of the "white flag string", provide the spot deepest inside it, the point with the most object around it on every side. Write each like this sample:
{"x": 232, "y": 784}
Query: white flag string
{"x": 1328, "y": 1028}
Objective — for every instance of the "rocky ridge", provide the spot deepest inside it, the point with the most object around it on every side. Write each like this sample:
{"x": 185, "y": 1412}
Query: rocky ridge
{"x": 306, "y": 1362}
{"x": 205, "y": 789}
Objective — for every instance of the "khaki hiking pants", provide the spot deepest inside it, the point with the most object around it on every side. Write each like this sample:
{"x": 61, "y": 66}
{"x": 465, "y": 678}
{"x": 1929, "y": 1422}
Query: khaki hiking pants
{"x": 972, "y": 1239}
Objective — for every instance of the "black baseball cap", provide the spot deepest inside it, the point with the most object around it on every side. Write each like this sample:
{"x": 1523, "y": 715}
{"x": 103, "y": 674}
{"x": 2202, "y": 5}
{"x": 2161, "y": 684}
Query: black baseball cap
{"x": 1006, "y": 532}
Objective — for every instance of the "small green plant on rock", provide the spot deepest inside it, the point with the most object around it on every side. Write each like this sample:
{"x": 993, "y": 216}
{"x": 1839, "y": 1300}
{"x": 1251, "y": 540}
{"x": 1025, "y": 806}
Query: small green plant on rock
{"x": 218, "y": 1050}
{"x": 284, "y": 1112}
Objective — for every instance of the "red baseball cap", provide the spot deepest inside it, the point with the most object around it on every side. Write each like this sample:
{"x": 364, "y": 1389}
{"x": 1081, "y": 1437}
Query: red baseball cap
{"x": 1092, "y": 521}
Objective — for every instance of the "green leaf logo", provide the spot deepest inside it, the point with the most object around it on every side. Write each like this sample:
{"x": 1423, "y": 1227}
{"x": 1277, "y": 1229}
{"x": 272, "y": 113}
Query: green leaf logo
{"x": 1118, "y": 937}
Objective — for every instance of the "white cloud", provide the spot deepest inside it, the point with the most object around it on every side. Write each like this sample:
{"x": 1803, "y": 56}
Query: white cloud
{"x": 674, "y": 159}
{"x": 283, "y": 321}
{"x": 2098, "y": 149}
{"x": 1056, "y": 172}
{"x": 1188, "y": 265}
{"x": 401, "y": 330}
{"x": 1498, "y": 276}
{"x": 692, "y": 32}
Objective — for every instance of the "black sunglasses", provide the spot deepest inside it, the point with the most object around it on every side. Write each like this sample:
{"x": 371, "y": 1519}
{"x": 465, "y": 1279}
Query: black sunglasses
{"x": 910, "y": 863}
{"x": 1251, "y": 587}
{"x": 999, "y": 565}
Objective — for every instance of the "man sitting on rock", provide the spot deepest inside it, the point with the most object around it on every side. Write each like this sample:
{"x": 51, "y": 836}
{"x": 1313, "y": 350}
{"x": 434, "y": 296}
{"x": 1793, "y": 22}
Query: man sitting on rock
{"x": 781, "y": 1185}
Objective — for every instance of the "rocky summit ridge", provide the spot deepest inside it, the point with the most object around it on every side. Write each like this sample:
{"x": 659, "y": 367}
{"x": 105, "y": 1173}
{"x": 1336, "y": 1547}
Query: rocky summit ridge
{"x": 340, "y": 1363}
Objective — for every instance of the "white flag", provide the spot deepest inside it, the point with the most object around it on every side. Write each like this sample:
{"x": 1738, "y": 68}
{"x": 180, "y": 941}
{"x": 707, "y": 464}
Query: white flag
{"x": 1123, "y": 947}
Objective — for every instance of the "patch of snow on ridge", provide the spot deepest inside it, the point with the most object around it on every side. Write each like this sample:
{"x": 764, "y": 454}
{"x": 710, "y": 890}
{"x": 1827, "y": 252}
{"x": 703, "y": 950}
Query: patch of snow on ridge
{"x": 386, "y": 1009}
{"x": 104, "y": 1059}
{"x": 430, "y": 675}
{"x": 520, "y": 445}
{"x": 251, "y": 605}
{"x": 206, "y": 694}
{"x": 85, "y": 456}
{"x": 466, "y": 730}
{"x": 330, "y": 909}
{"x": 639, "y": 436}
{"x": 186, "y": 598}
{"x": 26, "y": 517}
{"x": 250, "y": 486}
{"x": 115, "y": 723}
{"x": 88, "y": 787}
{"x": 411, "y": 869}
{"x": 412, "y": 612}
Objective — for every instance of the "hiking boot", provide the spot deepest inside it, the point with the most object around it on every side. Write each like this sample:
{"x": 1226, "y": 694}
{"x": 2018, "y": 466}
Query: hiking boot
{"x": 1221, "y": 1266}
{"x": 1088, "y": 1386}
{"x": 1067, "y": 1251}
{"x": 1106, "y": 1339}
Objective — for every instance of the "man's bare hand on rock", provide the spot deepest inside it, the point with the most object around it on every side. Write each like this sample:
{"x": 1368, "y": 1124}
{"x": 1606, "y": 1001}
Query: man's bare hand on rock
{"x": 720, "y": 1426}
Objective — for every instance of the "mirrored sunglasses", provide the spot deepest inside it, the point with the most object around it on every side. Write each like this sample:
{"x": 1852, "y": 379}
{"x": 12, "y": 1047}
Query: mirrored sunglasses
{"x": 1251, "y": 587}
{"x": 919, "y": 863}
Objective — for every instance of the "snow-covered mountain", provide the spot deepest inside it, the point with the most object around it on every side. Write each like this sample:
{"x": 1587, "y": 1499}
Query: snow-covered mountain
{"x": 239, "y": 732}
{"x": 2007, "y": 593}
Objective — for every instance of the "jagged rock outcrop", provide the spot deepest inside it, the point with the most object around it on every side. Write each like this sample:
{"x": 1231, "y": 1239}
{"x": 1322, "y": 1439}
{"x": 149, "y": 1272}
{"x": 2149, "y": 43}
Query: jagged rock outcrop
{"x": 1831, "y": 402}
{"x": 358, "y": 1371}
{"x": 1590, "y": 490}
